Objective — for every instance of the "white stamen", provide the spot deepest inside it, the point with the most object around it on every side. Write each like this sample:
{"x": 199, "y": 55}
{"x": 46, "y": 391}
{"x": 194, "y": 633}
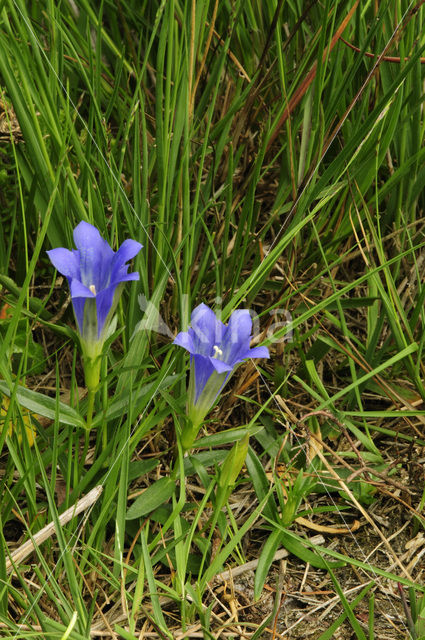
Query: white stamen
{"x": 217, "y": 351}
{"x": 92, "y": 289}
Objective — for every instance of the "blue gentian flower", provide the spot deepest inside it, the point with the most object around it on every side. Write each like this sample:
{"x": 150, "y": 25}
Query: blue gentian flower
{"x": 215, "y": 351}
{"x": 95, "y": 274}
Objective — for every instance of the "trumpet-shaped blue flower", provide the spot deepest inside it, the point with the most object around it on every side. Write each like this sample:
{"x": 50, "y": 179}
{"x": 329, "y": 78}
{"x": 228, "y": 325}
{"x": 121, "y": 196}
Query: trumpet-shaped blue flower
{"x": 215, "y": 351}
{"x": 95, "y": 274}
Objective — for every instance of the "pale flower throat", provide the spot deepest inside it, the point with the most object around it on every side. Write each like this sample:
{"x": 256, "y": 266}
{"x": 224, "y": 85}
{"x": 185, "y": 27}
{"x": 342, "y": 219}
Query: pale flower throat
{"x": 92, "y": 289}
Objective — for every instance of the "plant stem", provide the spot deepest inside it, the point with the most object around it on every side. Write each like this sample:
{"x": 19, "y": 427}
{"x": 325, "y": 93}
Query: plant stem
{"x": 91, "y": 397}
{"x": 85, "y": 449}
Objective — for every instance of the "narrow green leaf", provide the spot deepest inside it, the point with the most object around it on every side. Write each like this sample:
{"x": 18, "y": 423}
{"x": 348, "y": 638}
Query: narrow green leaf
{"x": 227, "y": 437}
{"x": 44, "y": 406}
{"x": 296, "y": 547}
{"x": 261, "y": 484}
{"x": 151, "y": 498}
{"x": 349, "y": 611}
{"x": 330, "y": 631}
{"x": 265, "y": 560}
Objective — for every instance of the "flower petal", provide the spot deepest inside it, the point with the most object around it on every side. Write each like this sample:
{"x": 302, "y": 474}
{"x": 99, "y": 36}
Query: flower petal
{"x": 104, "y": 303}
{"x": 237, "y": 337}
{"x": 207, "y": 328}
{"x": 240, "y": 325}
{"x": 256, "y": 352}
{"x": 65, "y": 261}
{"x": 259, "y": 352}
{"x": 86, "y": 234}
{"x": 203, "y": 370}
{"x": 126, "y": 252}
{"x": 95, "y": 256}
{"x": 79, "y": 290}
{"x": 220, "y": 366}
{"x": 78, "y": 304}
{"x": 184, "y": 339}
{"x": 134, "y": 275}
{"x": 205, "y": 400}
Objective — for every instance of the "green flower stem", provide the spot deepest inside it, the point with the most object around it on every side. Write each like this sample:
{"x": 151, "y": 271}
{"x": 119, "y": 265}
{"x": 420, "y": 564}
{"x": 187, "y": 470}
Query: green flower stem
{"x": 92, "y": 372}
{"x": 91, "y": 397}
{"x": 92, "y": 377}
{"x": 85, "y": 450}
{"x": 189, "y": 433}
{"x": 104, "y": 400}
